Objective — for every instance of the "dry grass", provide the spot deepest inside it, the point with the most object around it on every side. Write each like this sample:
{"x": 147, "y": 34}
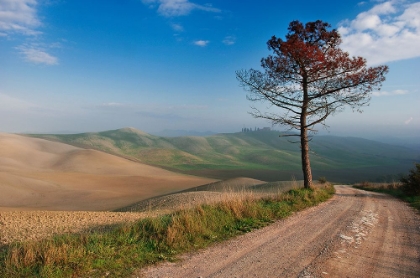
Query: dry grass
{"x": 379, "y": 185}
{"x": 116, "y": 251}
{"x": 232, "y": 189}
{"x": 396, "y": 189}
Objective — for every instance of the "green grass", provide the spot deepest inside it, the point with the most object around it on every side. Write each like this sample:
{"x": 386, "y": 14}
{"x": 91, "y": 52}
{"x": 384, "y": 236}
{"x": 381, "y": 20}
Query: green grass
{"x": 118, "y": 251}
{"x": 393, "y": 189}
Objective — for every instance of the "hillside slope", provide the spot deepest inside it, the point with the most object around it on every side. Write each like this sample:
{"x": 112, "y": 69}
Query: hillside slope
{"x": 40, "y": 174}
{"x": 252, "y": 154}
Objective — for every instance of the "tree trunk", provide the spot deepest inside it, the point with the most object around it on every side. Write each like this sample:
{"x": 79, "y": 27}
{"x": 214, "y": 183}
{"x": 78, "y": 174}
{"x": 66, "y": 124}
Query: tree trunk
{"x": 306, "y": 164}
{"x": 304, "y": 141}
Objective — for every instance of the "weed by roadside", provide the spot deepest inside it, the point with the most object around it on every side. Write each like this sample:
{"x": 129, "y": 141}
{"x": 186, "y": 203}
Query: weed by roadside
{"x": 397, "y": 189}
{"x": 117, "y": 251}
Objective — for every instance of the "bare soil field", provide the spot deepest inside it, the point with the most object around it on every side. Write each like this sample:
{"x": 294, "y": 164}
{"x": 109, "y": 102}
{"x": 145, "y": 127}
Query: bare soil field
{"x": 36, "y": 225}
{"x": 36, "y": 174}
{"x": 355, "y": 234}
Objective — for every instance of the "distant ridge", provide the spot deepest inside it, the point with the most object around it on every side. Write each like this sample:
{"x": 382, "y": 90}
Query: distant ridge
{"x": 132, "y": 130}
{"x": 181, "y": 133}
{"x": 260, "y": 155}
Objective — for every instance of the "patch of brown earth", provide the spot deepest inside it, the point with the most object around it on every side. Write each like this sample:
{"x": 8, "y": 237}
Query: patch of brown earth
{"x": 36, "y": 225}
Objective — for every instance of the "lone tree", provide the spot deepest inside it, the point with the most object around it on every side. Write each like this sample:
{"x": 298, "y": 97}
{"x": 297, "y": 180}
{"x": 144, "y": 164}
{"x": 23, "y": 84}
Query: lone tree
{"x": 309, "y": 77}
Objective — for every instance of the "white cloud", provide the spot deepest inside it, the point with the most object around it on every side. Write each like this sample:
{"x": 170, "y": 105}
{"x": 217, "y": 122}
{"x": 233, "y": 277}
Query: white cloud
{"x": 177, "y": 27}
{"x": 229, "y": 40}
{"x": 19, "y": 16}
{"x": 37, "y": 55}
{"x": 408, "y": 121}
{"x": 170, "y": 8}
{"x": 113, "y": 105}
{"x": 389, "y": 31}
{"x": 392, "y": 93}
{"x": 201, "y": 43}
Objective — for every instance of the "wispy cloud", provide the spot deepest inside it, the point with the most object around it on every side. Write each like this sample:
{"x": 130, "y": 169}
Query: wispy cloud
{"x": 406, "y": 122}
{"x": 172, "y": 8}
{"x": 177, "y": 27}
{"x": 389, "y": 93}
{"x": 229, "y": 40}
{"x": 108, "y": 105}
{"x": 389, "y": 31}
{"x": 37, "y": 55}
{"x": 19, "y": 16}
{"x": 148, "y": 107}
{"x": 201, "y": 43}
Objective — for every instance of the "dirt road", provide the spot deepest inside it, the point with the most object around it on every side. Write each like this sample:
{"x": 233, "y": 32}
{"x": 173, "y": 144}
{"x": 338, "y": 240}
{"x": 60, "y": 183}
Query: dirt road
{"x": 355, "y": 234}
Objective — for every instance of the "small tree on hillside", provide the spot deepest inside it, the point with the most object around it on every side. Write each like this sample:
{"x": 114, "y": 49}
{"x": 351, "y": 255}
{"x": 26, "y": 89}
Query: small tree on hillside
{"x": 309, "y": 77}
{"x": 411, "y": 183}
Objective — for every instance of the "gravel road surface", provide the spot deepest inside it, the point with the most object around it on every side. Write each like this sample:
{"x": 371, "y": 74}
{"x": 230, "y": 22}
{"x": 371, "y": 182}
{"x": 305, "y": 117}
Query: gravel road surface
{"x": 355, "y": 234}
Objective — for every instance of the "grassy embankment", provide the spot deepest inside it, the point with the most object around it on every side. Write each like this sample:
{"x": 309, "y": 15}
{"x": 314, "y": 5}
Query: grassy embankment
{"x": 117, "y": 251}
{"x": 394, "y": 189}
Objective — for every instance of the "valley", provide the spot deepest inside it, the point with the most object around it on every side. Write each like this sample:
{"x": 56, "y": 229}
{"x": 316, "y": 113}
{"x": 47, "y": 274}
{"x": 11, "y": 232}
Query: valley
{"x": 263, "y": 155}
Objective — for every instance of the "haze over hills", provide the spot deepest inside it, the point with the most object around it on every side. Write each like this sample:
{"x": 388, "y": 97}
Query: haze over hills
{"x": 179, "y": 133}
{"x": 409, "y": 142}
{"x": 262, "y": 155}
{"x": 37, "y": 174}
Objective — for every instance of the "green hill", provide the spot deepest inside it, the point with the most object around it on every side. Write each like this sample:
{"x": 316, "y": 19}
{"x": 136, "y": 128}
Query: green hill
{"x": 263, "y": 155}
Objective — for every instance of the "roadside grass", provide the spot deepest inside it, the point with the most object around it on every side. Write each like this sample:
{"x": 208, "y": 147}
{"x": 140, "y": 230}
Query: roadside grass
{"x": 394, "y": 189}
{"x": 117, "y": 251}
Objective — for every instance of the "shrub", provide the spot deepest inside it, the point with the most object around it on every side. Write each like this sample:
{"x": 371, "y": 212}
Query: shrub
{"x": 365, "y": 184}
{"x": 411, "y": 183}
{"x": 322, "y": 180}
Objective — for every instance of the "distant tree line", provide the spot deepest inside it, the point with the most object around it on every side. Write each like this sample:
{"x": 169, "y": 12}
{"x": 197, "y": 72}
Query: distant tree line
{"x": 245, "y": 129}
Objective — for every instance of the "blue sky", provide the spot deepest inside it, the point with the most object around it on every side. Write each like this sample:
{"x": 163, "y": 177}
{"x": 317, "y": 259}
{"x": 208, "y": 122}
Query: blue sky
{"x": 78, "y": 66}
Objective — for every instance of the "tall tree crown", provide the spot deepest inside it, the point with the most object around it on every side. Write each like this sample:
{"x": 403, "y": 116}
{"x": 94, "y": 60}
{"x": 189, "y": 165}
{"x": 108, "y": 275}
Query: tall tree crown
{"x": 309, "y": 68}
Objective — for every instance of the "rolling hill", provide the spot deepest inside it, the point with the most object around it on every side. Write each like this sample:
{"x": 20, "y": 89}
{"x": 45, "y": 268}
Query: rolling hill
{"x": 261, "y": 155}
{"x": 36, "y": 174}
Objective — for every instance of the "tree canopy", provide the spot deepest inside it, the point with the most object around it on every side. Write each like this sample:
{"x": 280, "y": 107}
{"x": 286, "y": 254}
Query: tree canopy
{"x": 310, "y": 78}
